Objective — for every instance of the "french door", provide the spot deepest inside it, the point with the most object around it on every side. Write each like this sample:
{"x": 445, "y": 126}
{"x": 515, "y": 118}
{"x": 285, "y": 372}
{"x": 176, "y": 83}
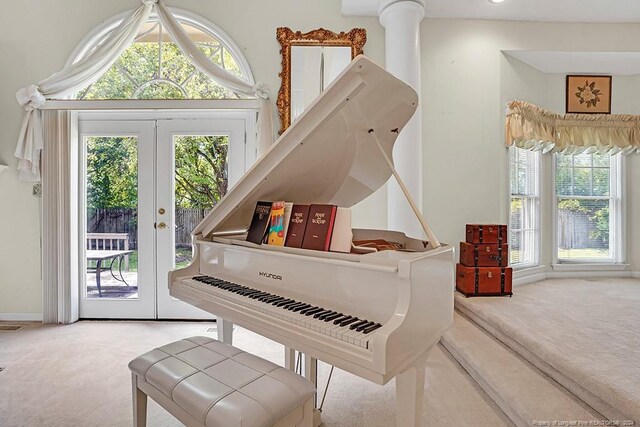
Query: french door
{"x": 195, "y": 159}
{"x": 147, "y": 183}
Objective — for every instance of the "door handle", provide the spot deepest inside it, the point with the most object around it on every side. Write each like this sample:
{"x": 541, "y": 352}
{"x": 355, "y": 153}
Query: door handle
{"x": 161, "y": 225}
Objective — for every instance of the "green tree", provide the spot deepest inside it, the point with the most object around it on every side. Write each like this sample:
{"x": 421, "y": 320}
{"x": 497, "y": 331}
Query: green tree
{"x": 601, "y": 219}
{"x": 112, "y": 172}
{"x": 200, "y": 170}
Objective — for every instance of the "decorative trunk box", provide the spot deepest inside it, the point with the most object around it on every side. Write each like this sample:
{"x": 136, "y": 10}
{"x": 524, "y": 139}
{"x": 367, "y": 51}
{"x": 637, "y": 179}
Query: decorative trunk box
{"x": 484, "y": 254}
{"x": 487, "y": 233}
{"x": 483, "y": 281}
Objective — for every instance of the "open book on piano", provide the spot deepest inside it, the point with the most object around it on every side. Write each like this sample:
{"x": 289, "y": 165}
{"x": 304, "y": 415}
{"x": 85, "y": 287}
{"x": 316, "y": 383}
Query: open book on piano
{"x": 375, "y": 315}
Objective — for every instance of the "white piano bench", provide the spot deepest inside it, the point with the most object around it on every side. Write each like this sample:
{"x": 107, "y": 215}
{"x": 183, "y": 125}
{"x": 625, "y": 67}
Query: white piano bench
{"x": 205, "y": 383}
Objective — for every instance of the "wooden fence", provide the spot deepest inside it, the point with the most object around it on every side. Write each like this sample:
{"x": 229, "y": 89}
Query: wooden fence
{"x": 186, "y": 221}
{"x": 575, "y": 229}
{"x": 125, "y": 220}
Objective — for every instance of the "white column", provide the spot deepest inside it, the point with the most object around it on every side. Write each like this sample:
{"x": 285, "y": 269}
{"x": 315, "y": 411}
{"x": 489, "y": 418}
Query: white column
{"x": 401, "y": 21}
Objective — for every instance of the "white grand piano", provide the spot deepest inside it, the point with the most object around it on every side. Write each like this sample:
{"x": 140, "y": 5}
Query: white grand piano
{"x": 375, "y": 315}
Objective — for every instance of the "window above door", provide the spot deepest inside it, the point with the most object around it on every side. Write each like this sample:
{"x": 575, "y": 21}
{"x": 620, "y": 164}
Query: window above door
{"x": 153, "y": 67}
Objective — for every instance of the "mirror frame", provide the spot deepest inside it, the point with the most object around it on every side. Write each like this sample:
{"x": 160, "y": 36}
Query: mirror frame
{"x": 356, "y": 38}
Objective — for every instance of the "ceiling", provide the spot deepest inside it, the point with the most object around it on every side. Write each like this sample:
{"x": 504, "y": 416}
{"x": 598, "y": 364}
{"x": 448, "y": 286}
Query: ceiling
{"x": 538, "y": 10}
{"x": 610, "y": 63}
{"x": 515, "y": 10}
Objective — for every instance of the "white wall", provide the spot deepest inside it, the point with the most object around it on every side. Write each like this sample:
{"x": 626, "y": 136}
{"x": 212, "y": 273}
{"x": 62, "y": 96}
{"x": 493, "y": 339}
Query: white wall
{"x": 521, "y": 81}
{"x": 465, "y": 177}
{"x": 36, "y": 38}
{"x": 465, "y": 172}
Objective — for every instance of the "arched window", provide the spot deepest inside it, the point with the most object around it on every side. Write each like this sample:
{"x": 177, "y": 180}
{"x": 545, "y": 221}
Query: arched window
{"x": 153, "y": 67}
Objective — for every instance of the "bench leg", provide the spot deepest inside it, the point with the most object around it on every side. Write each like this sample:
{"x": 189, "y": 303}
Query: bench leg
{"x": 139, "y": 404}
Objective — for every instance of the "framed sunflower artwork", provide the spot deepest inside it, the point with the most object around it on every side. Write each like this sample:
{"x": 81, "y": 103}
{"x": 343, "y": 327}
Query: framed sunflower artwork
{"x": 589, "y": 94}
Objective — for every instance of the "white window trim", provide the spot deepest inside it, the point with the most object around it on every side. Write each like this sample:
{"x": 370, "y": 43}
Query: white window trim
{"x": 618, "y": 262}
{"x": 151, "y": 104}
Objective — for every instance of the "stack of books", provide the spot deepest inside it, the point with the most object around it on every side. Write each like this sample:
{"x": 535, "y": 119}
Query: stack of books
{"x": 316, "y": 227}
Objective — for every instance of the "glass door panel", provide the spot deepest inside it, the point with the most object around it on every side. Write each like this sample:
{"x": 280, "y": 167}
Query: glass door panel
{"x": 112, "y": 217}
{"x": 118, "y": 192}
{"x": 201, "y": 173}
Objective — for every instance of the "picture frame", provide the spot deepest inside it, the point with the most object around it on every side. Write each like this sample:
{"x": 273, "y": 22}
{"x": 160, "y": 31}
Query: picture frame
{"x": 588, "y": 94}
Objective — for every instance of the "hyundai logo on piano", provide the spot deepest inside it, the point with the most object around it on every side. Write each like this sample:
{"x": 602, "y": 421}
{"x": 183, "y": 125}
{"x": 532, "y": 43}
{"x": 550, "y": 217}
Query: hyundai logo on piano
{"x": 270, "y": 275}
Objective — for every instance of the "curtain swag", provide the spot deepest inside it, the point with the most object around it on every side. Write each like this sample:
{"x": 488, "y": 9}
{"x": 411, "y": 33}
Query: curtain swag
{"x": 86, "y": 71}
{"x": 531, "y": 127}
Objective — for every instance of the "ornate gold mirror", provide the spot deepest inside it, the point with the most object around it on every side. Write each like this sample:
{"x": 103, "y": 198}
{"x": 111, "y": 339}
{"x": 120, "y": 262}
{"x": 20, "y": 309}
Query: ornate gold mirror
{"x": 310, "y": 62}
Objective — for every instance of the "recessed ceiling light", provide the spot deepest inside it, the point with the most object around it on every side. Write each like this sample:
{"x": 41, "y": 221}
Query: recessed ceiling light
{"x": 496, "y": 1}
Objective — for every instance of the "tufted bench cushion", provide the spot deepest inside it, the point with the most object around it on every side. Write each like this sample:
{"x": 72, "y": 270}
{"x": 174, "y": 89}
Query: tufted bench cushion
{"x": 204, "y": 382}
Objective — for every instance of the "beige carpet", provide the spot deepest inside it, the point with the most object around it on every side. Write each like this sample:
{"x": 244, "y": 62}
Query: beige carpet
{"x": 77, "y": 376}
{"x": 587, "y": 330}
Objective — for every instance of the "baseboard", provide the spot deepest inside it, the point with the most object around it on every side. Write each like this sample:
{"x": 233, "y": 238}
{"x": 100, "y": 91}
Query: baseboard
{"x": 529, "y": 275}
{"x": 635, "y": 274}
{"x": 21, "y": 317}
{"x": 529, "y": 279}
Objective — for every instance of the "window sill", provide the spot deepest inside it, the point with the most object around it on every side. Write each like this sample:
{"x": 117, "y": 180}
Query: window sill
{"x": 590, "y": 267}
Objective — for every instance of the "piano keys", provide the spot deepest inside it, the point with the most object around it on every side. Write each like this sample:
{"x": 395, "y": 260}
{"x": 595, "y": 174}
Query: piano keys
{"x": 338, "y": 325}
{"x": 376, "y": 315}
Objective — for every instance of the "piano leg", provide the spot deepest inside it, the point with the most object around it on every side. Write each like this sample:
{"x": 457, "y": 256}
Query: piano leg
{"x": 290, "y": 358}
{"x": 225, "y": 331}
{"x": 409, "y": 395}
{"x": 311, "y": 373}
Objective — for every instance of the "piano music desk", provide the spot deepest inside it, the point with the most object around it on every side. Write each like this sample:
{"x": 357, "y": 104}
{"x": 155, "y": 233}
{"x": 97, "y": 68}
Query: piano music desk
{"x": 99, "y": 256}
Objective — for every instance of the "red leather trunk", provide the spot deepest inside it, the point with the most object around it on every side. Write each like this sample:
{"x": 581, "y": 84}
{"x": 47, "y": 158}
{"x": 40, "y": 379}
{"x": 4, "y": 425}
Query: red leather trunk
{"x": 484, "y": 254}
{"x": 483, "y": 281}
{"x": 486, "y": 233}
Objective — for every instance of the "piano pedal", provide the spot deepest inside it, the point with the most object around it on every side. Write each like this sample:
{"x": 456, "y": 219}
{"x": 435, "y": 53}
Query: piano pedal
{"x": 317, "y": 420}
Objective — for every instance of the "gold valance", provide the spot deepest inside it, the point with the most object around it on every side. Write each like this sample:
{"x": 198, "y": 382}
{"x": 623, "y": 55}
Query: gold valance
{"x": 534, "y": 128}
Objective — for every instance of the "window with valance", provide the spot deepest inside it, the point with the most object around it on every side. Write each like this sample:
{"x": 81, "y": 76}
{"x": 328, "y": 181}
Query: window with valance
{"x": 531, "y": 127}
{"x": 587, "y": 174}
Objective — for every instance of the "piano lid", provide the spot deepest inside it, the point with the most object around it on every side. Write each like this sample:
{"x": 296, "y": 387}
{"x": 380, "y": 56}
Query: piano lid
{"x": 328, "y": 155}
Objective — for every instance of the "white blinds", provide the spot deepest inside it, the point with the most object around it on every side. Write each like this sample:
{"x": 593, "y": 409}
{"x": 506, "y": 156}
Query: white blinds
{"x": 524, "y": 219}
